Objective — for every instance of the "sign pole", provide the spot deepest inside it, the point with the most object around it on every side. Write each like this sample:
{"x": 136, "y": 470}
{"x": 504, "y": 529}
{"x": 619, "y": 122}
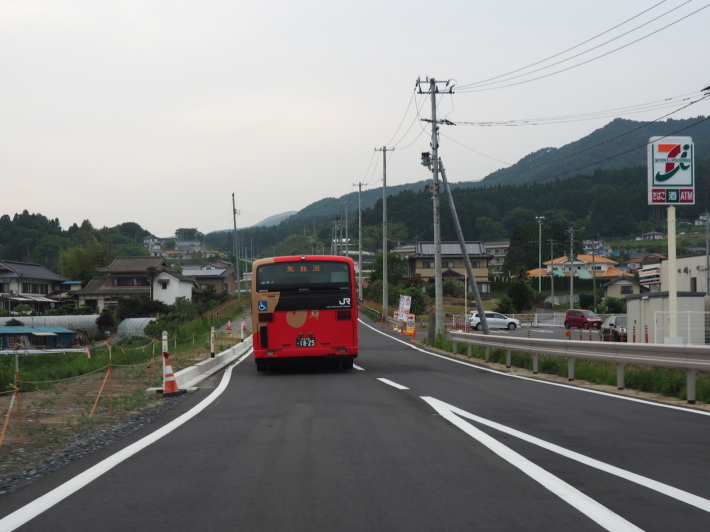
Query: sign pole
{"x": 672, "y": 279}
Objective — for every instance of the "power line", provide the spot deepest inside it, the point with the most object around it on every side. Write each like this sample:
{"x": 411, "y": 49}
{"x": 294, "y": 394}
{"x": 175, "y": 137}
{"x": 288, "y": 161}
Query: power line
{"x": 474, "y": 89}
{"x": 603, "y": 142}
{"x": 483, "y": 84}
{"x": 567, "y": 50}
{"x": 592, "y": 115}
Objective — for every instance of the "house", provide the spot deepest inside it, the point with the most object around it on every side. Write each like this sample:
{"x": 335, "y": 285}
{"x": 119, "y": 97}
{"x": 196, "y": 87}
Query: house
{"x": 622, "y": 287}
{"x": 596, "y": 247}
{"x": 653, "y": 235}
{"x": 152, "y": 242}
{"x": 420, "y": 264}
{"x": 498, "y": 250}
{"x": 125, "y": 277}
{"x": 222, "y": 279}
{"x": 584, "y": 266}
{"x": 642, "y": 260}
{"x": 703, "y": 219}
{"x": 29, "y": 284}
{"x": 691, "y": 274}
{"x": 169, "y": 285}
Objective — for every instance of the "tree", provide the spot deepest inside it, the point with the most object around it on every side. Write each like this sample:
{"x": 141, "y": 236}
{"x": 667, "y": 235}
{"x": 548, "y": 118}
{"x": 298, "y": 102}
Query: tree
{"x": 188, "y": 233}
{"x": 521, "y": 295}
{"x": 105, "y": 319}
{"x": 505, "y": 306}
{"x": 396, "y": 267}
{"x": 489, "y": 229}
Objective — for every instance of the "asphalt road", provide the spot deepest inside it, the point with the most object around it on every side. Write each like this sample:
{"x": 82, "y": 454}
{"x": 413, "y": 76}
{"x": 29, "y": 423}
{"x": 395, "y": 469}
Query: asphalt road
{"x": 411, "y": 441}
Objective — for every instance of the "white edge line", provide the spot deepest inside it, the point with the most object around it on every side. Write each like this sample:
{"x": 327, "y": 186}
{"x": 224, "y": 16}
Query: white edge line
{"x": 45, "y": 502}
{"x": 670, "y": 491}
{"x": 358, "y": 367}
{"x": 387, "y": 381}
{"x": 572, "y": 496}
{"x": 541, "y": 381}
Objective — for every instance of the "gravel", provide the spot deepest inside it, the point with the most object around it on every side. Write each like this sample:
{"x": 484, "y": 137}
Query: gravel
{"x": 87, "y": 441}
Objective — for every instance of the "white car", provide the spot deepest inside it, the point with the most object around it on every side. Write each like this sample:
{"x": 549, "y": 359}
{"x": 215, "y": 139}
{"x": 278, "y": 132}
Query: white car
{"x": 495, "y": 321}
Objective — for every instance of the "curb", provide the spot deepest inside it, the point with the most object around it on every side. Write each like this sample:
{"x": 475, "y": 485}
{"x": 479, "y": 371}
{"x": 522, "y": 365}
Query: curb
{"x": 188, "y": 378}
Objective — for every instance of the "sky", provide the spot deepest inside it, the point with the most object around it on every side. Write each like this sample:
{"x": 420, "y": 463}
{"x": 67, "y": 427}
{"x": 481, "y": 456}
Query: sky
{"x": 155, "y": 112}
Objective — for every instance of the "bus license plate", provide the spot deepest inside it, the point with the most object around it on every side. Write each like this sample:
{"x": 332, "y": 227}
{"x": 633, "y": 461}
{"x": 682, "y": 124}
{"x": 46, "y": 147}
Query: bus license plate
{"x": 305, "y": 342}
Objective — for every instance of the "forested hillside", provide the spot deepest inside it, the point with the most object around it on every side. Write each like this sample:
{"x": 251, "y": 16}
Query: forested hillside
{"x": 611, "y": 203}
{"x": 630, "y": 138}
{"x": 74, "y": 252}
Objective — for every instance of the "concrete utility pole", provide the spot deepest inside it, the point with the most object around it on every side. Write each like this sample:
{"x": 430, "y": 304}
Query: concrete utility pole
{"x": 385, "y": 280}
{"x": 552, "y": 269}
{"x": 347, "y": 242}
{"x": 594, "y": 273}
{"x": 571, "y": 267}
{"x": 359, "y": 239}
{"x": 438, "y": 284}
{"x": 539, "y": 251}
{"x": 236, "y": 242}
{"x": 464, "y": 253}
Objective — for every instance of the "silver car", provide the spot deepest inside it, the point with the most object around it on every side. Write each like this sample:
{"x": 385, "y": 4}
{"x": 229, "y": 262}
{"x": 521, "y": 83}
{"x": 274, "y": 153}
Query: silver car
{"x": 495, "y": 321}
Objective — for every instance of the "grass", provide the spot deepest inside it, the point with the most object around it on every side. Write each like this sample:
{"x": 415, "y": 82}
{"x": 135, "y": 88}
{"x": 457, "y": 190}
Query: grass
{"x": 665, "y": 381}
{"x": 35, "y": 370}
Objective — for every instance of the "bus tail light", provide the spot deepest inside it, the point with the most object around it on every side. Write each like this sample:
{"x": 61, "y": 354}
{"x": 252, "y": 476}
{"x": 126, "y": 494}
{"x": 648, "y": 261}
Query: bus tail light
{"x": 342, "y": 350}
{"x": 343, "y": 315}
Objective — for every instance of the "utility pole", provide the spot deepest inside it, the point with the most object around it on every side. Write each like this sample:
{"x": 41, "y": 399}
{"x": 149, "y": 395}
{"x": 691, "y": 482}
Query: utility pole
{"x": 539, "y": 252}
{"x": 438, "y": 285}
{"x": 385, "y": 279}
{"x": 594, "y": 272}
{"x": 236, "y": 241}
{"x": 359, "y": 239}
{"x": 552, "y": 270}
{"x": 464, "y": 253}
{"x": 347, "y": 243}
{"x": 571, "y": 267}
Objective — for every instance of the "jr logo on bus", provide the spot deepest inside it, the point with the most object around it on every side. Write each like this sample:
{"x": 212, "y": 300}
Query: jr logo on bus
{"x": 344, "y": 301}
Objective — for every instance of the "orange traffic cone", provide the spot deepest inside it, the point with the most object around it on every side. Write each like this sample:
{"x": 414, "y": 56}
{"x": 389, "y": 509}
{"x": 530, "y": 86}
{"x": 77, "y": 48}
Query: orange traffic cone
{"x": 170, "y": 387}
{"x": 229, "y": 325}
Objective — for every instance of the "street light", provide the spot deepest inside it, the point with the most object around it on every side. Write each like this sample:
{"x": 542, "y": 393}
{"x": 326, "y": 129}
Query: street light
{"x": 539, "y": 251}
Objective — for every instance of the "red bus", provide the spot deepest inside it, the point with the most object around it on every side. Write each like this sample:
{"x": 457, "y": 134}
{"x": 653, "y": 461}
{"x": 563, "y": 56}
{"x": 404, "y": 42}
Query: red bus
{"x": 304, "y": 309}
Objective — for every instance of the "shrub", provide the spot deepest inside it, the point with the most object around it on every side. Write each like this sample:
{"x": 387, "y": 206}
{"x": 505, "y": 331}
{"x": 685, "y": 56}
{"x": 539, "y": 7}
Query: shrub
{"x": 453, "y": 288}
{"x": 505, "y": 306}
{"x": 105, "y": 319}
{"x": 14, "y": 323}
{"x": 521, "y": 295}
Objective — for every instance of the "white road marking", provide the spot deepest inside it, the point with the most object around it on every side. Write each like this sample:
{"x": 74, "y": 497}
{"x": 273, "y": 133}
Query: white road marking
{"x": 588, "y": 506}
{"x": 665, "y": 489}
{"x": 358, "y": 367}
{"x": 394, "y": 384}
{"x": 46, "y": 501}
{"x": 540, "y": 381}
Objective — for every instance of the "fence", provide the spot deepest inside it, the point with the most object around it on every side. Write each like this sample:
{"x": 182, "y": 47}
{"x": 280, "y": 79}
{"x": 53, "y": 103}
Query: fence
{"x": 692, "y": 327}
{"x": 44, "y": 394}
{"x": 686, "y": 357}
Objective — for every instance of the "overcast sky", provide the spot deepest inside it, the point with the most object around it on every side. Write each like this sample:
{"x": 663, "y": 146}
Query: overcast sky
{"x": 156, "y": 111}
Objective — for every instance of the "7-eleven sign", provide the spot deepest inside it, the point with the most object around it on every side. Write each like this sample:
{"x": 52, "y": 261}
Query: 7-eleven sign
{"x": 671, "y": 177}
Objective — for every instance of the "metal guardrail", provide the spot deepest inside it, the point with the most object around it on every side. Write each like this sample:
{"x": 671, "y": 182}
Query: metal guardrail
{"x": 373, "y": 312}
{"x": 687, "y": 357}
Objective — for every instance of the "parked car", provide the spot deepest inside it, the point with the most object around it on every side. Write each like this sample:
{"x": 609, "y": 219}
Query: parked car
{"x": 614, "y": 329}
{"x": 582, "y": 319}
{"x": 495, "y": 321}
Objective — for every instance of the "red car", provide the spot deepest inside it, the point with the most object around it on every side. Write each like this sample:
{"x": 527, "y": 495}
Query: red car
{"x": 582, "y": 319}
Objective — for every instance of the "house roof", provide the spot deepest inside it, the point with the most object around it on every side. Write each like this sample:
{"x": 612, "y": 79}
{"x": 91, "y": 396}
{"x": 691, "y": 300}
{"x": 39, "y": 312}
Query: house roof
{"x": 28, "y": 270}
{"x": 583, "y": 258}
{"x": 450, "y": 249}
{"x": 624, "y": 278}
{"x": 134, "y": 264}
{"x": 211, "y": 273}
{"x": 496, "y": 244}
{"x": 538, "y": 272}
{"x": 97, "y": 286}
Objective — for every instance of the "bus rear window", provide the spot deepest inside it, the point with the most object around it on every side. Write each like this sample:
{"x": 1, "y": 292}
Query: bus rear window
{"x": 303, "y": 276}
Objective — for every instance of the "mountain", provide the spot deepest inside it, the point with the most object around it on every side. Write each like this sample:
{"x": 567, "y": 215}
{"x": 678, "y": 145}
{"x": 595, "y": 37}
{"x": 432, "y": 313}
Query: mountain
{"x": 619, "y": 144}
{"x": 274, "y": 220}
{"x": 598, "y": 150}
